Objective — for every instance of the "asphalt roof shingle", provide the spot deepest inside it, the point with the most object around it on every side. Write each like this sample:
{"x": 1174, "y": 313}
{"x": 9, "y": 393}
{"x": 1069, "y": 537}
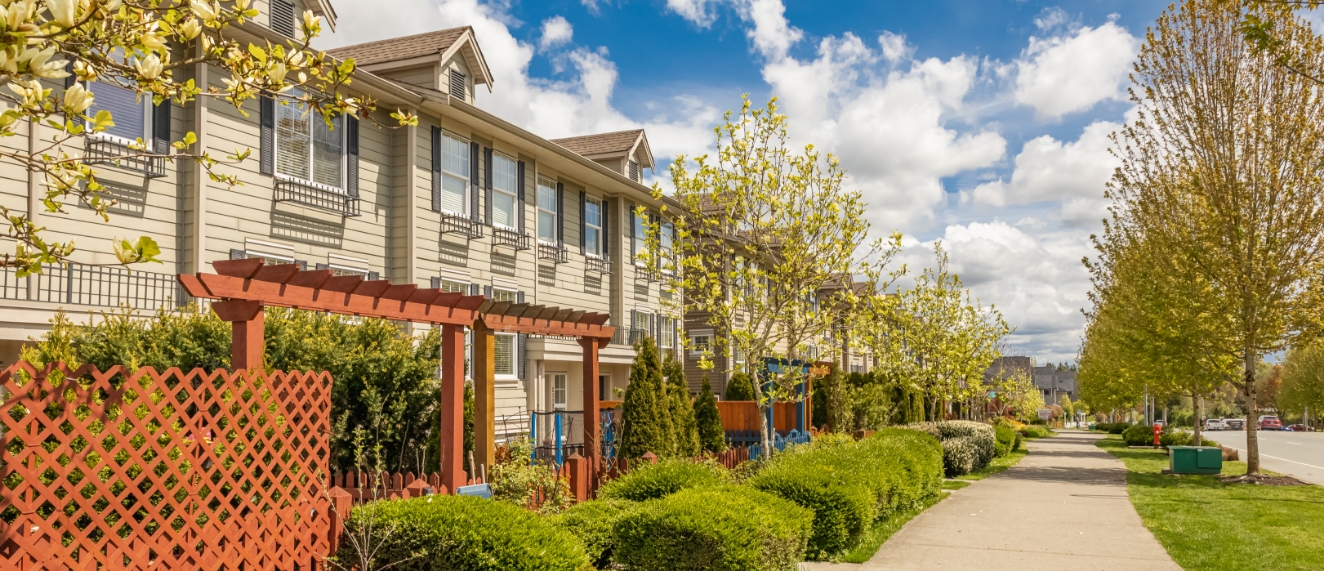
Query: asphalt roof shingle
{"x": 601, "y": 143}
{"x": 394, "y": 49}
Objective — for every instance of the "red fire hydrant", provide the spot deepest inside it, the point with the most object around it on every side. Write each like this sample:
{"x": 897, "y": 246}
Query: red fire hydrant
{"x": 1158, "y": 431}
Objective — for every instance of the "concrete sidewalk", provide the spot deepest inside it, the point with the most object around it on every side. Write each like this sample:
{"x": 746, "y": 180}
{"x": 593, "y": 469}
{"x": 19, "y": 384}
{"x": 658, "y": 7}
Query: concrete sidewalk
{"x": 1063, "y": 507}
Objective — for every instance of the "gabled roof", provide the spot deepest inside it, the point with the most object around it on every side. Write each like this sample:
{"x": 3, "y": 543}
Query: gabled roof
{"x": 619, "y": 143}
{"x": 441, "y": 43}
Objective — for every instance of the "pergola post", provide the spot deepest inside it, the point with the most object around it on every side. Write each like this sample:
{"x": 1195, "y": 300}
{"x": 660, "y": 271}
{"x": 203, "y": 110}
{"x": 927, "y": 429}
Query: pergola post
{"x": 452, "y": 407}
{"x": 591, "y": 407}
{"x": 247, "y": 343}
{"x": 484, "y": 375}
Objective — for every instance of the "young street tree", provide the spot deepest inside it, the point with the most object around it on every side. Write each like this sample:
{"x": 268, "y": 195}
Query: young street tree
{"x": 760, "y": 230}
{"x": 1221, "y": 169}
{"x": 51, "y": 48}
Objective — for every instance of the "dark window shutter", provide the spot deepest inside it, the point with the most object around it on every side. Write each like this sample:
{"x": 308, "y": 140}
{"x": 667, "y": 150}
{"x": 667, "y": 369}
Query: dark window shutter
{"x": 487, "y": 185}
{"x": 629, "y": 222}
{"x": 519, "y": 190}
{"x": 303, "y": 264}
{"x": 323, "y": 266}
{"x": 374, "y": 276}
{"x": 161, "y": 128}
{"x": 237, "y": 254}
{"x": 634, "y": 320}
{"x": 473, "y": 181}
{"x": 487, "y": 291}
{"x": 73, "y": 78}
{"x": 560, "y": 214}
{"x": 436, "y": 282}
{"x": 473, "y": 288}
{"x": 352, "y": 156}
{"x": 436, "y": 168}
{"x": 583, "y": 221}
{"x": 267, "y": 139}
{"x": 521, "y": 356}
{"x": 606, "y": 231}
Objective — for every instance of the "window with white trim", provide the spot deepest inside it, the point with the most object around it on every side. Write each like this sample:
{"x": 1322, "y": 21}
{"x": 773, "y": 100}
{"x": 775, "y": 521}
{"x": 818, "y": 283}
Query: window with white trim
{"x": 737, "y": 356}
{"x": 307, "y": 147}
{"x": 503, "y": 345}
{"x": 505, "y": 193}
{"x": 701, "y": 343}
{"x": 502, "y": 294}
{"x": 454, "y": 174}
{"x": 132, "y": 115}
{"x": 668, "y": 332}
{"x": 453, "y": 286}
{"x": 593, "y": 226}
{"x": 271, "y": 254}
{"x": 547, "y": 211}
{"x": 560, "y": 391}
{"x": 666, "y": 240}
{"x": 640, "y": 237}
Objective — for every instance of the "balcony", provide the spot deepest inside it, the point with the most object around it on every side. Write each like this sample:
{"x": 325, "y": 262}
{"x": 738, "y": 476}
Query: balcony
{"x": 316, "y": 196}
{"x": 636, "y": 334}
{"x": 599, "y": 265}
{"x": 108, "y": 152}
{"x": 511, "y": 238}
{"x": 457, "y": 224}
{"x": 103, "y": 286}
{"x": 554, "y": 252}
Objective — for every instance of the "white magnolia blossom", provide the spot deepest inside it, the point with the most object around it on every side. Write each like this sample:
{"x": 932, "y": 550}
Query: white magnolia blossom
{"x": 150, "y": 67}
{"x": 77, "y": 99}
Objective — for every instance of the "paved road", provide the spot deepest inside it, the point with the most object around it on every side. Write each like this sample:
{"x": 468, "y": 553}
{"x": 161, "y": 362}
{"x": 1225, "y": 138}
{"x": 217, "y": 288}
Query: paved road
{"x": 1297, "y": 454}
{"x": 1063, "y": 507}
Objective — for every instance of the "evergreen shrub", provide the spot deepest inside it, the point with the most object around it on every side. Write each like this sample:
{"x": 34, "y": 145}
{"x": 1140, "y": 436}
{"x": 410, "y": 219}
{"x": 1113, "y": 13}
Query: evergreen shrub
{"x": 646, "y": 411}
{"x": 593, "y": 523}
{"x": 668, "y": 476}
{"x": 740, "y": 387}
{"x": 712, "y": 436}
{"x": 462, "y": 533}
{"x": 966, "y": 445}
{"x": 726, "y": 528}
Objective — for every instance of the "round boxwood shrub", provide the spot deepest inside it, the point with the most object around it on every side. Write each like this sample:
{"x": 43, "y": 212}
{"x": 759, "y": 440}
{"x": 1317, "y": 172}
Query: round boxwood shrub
{"x": 653, "y": 481}
{"x": 723, "y": 528}
{"x": 593, "y": 522}
{"x": 1007, "y": 439}
{"x": 461, "y": 533}
{"x": 1139, "y": 435}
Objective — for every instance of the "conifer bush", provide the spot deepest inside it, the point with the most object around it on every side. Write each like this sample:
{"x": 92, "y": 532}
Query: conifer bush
{"x": 646, "y": 411}
{"x": 712, "y": 436}
{"x": 740, "y": 387}
{"x": 682, "y": 410}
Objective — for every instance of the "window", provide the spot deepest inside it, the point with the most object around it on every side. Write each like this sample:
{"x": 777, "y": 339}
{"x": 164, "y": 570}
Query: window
{"x": 307, "y": 148}
{"x": 454, "y": 175}
{"x": 505, "y": 195}
{"x": 634, "y": 171}
{"x": 593, "y": 226}
{"x": 702, "y": 343}
{"x": 499, "y": 294}
{"x": 811, "y": 353}
{"x": 452, "y": 286}
{"x": 737, "y": 356}
{"x": 458, "y": 90}
{"x": 559, "y": 392}
{"x": 640, "y": 237}
{"x": 546, "y": 210}
{"x": 667, "y": 239}
{"x": 604, "y": 387}
{"x": 132, "y": 117}
{"x": 503, "y": 345}
{"x": 668, "y": 330}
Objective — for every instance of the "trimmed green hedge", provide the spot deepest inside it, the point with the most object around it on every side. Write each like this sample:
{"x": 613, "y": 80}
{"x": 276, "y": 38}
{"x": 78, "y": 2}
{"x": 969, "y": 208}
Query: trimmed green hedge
{"x": 850, "y": 485}
{"x": 1008, "y": 440}
{"x": 463, "y": 533}
{"x": 594, "y": 522}
{"x": 1139, "y": 435}
{"x": 1033, "y": 431}
{"x": 653, "y": 481}
{"x": 966, "y": 445}
{"x": 726, "y": 528}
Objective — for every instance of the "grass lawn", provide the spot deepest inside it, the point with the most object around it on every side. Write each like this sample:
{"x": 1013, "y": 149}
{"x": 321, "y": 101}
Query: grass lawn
{"x": 954, "y": 484}
{"x": 1208, "y": 525}
{"x": 997, "y": 465}
{"x": 874, "y": 538}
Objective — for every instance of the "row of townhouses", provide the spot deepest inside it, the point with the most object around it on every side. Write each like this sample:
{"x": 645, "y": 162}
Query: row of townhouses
{"x": 465, "y": 201}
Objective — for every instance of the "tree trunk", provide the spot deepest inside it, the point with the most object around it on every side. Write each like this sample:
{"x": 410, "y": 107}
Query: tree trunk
{"x": 1252, "y": 434}
{"x": 1199, "y": 417}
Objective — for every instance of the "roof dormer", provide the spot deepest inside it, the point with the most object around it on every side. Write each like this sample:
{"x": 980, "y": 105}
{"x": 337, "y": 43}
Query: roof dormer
{"x": 444, "y": 60}
{"x": 625, "y": 152}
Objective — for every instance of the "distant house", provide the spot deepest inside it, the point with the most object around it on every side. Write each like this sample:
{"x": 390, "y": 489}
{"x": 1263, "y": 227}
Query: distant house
{"x": 1054, "y": 383}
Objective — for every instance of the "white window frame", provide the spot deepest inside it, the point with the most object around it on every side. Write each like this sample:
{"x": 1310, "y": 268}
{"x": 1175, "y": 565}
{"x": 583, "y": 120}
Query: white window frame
{"x": 148, "y": 117}
{"x": 564, "y": 390}
{"x": 695, "y": 348}
{"x": 464, "y": 177}
{"x": 512, "y": 193}
{"x": 550, "y": 185}
{"x": 595, "y": 252}
{"x": 666, "y": 240}
{"x": 308, "y": 180}
{"x": 640, "y": 237}
{"x": 463, "y": 287}
{"x": 667, "y": 330}
{"x": 514, "y": 358}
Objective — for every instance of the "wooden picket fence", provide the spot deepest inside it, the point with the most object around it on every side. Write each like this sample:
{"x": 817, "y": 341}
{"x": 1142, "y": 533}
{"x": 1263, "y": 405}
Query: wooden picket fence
{"x": 163, "y": 470}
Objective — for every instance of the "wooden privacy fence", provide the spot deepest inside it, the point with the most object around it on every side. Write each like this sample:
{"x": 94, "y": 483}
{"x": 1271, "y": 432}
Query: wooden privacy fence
{"x": 740, "y": 419}
{"x": 169, "y": 470}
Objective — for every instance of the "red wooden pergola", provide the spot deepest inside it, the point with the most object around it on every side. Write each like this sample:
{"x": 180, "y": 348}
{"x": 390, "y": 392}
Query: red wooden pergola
{"x": 242, "y": 288}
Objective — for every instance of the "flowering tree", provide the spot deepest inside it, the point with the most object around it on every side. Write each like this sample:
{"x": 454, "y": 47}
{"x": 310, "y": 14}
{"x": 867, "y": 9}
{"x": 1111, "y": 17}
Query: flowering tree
{"x": 141, "y": 45}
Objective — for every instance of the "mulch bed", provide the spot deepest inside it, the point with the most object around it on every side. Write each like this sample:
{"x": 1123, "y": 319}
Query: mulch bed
{"x": 1263, "y": 480}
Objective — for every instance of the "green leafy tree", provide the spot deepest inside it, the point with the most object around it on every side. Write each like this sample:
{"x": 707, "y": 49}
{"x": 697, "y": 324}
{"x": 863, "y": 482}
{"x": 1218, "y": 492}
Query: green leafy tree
{"x": 740, "y": 387}
{"x": 712, "y": 436}
{"x": 646, "y": 412}
{"x": 1303, "y": 380}
{"x": 682, "y": 409}
{"x": 149, "y": 47}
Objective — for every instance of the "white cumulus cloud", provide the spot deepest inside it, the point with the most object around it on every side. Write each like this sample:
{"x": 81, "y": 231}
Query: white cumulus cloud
{"x": 1048, "y": 169}
{"x": 555, "y": 31}
{"x": 1071, "y": 73}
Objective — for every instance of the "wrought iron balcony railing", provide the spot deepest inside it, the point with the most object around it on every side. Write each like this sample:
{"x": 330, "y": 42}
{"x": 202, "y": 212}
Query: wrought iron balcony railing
{"x": 78, "y": 284}
{"x": 599, "y": 265}
{"x": 636, "y": 334}
{"x": 108, "y": 152}
{"x": 512, "y": 238}
{"x": 554, "y": 252}
{"x": 308, "y": 194}
{"x": 456, "y": 224}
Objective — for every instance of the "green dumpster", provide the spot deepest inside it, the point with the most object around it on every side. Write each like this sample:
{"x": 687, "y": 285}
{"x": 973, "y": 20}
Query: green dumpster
{"x": 1195, "y": 459}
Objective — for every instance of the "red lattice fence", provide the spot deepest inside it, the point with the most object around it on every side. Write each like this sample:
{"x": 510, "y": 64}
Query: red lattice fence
{"x": 171, "y": 470}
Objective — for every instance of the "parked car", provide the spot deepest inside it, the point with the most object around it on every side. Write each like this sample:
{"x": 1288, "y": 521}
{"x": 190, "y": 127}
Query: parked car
{"x": 1300, "y": 428}
{"x": 1214, "y": 424}
{"x": 1269, "y": 422}
{"x": 1234, "y": 423}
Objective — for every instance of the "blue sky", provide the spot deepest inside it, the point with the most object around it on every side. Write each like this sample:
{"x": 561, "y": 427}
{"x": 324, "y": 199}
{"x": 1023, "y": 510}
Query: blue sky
{"x": 981, "y": 123}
